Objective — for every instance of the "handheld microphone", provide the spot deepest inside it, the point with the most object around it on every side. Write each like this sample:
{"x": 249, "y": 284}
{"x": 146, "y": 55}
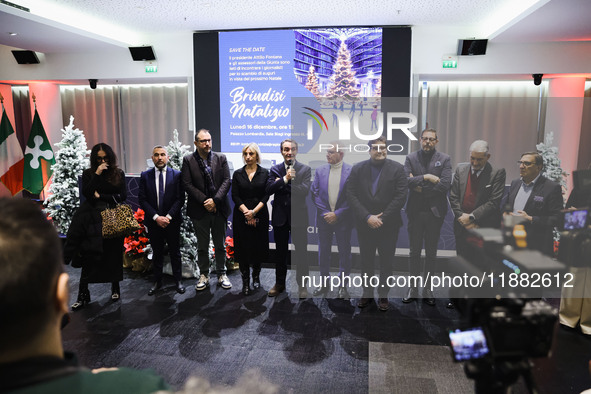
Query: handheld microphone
{"x": 290, "y": 166}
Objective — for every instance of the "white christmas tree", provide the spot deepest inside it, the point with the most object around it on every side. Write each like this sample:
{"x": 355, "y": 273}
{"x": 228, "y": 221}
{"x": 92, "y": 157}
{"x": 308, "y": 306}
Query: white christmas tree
{"x": 343, "y": 81}
{"x": 70, "y": 160}
{"x": 552, "y": 169}
{"x": 312, "y": 82}
{"x": 176, "y": 152}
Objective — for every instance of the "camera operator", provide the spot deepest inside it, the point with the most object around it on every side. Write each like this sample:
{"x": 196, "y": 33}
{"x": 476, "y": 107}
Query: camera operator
{"x": 575, "y": 302}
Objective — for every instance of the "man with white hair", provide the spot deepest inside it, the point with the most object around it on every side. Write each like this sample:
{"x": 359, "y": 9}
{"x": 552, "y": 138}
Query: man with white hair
{"x": 475, "y": 196}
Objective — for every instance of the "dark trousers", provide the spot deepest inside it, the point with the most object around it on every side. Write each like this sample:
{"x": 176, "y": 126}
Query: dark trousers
{"x": 343, "y": 237}
{"x": 423, "y": 227}
{"x": 158, "y": 238}
{"x": 384, "y": 241}
{"x": 216, "y": 225}
{"x": 299, "y": 238}
{"x": 460, "y": 234}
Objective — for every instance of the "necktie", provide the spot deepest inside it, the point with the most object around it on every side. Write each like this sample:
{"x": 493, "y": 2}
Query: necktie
{"x": 160, "y": 191}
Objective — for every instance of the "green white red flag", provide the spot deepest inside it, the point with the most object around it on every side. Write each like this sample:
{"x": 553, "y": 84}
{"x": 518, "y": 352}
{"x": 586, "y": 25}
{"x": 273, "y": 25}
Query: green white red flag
{"x": 11, "y": 157}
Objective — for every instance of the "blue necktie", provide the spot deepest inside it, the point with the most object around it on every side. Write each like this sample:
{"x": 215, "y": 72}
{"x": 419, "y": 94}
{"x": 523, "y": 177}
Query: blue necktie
{"x": 160, "y": 191}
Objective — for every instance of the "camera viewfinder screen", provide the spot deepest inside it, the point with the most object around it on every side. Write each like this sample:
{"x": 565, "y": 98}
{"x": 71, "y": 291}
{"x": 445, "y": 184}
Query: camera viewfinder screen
{"x": 468, "y": 344}
{"x": 575, "y": 220}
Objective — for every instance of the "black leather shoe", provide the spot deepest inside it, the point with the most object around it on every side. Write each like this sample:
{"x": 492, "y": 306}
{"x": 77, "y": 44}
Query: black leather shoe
{"x": 320, "y": 291}
{"x": 411, "y": 295}
{"x": 428, "y": 297}
{"x": 180, "y": 288}
{"x": 82, "y": 301}
{"x": 256, "y": 282}
{"x": 383, "y": 304}
{"x": 364, "y": 302}
{"x": 156, "y": 286}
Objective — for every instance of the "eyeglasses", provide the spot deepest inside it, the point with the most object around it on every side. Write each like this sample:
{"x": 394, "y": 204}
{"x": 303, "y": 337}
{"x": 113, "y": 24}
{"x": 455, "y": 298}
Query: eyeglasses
{"x": 525, "y": 163}
{"x": 428, "y": 139}
{"x": 102, "y": 158}
{"x": 204, "y": 141}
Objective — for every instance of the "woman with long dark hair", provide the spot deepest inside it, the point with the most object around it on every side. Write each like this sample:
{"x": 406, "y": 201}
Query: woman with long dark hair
{"x": 101, "y": 259}
{"x": 251, "y": 217}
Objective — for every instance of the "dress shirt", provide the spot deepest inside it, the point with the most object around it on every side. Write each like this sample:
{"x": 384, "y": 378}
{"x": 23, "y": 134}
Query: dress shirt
{"x": 523, "y": 194}
{"x": 334, "y": 181}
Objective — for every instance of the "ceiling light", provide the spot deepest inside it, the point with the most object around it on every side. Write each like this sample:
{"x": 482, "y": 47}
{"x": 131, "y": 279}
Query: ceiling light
{"x": 12, "y": 34}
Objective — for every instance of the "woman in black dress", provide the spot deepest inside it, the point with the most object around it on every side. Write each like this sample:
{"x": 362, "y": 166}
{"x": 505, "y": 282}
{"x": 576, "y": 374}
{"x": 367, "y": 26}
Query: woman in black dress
{"x": 251, "y": 216}
{"x": 101, "y": 259}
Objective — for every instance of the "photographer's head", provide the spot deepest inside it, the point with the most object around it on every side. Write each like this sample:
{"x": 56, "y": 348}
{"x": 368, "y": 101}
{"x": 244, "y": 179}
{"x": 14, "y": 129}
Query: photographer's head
{"x": 33, "y": 286}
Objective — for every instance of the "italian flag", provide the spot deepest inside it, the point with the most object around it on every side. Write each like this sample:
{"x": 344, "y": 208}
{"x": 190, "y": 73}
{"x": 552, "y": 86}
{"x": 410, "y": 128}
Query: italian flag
{"x": 11, "y": 157}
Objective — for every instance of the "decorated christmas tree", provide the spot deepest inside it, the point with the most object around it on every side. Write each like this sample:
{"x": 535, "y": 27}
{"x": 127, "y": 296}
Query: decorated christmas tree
{"x": 552, "y": 169}
{"x": 343, "y": 81}
{"x": 176, "y": 152}
{"x": 312, "y": 82}
{"x": 70, "y": 160}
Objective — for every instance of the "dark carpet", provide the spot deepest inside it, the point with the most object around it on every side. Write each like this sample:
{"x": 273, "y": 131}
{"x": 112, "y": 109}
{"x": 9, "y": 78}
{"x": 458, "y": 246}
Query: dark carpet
{"x": 305, "y": 346}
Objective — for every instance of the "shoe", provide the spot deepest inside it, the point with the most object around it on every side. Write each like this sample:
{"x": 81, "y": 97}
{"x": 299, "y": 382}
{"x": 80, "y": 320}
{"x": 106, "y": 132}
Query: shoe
{"x": 246, "y": 290}
{"x": 156, "y": 286}
{"x": 202, "y": 283}
{"x": 411, "y": 295}
{"x": 450, "y": 305}
{"x": 224, "y": 282}
{"x": 303, "y": 293}
{"x": 83, "y": 300}
{"x": 428, "y": 297}
{"x": 364, "y": 302}
{"x": 256, "y": 282}
{"x": 115, "y": 292}
{"x": 276, "y": 290}
{"x": 383, "y": 304}
{"x": 343, "y": 294}
{"x": 180, "y": 288}
{"x": 320, "y": 291}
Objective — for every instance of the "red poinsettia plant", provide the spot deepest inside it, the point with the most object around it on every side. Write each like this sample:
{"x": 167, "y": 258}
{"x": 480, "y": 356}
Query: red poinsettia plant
{"x": 138, "y": 242}
{"x": 229, "y": 248}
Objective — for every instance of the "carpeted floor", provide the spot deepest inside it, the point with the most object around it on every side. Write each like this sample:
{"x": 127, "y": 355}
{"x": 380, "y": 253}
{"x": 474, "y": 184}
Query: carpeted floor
{"x": 313, "y": 346}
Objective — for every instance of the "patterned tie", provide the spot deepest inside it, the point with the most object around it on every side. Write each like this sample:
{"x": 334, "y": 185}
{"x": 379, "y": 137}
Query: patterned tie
{"x": 160, "y": 191}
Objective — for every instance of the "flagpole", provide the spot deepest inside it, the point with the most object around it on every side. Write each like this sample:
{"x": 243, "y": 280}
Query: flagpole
{"x": 42, "y": 194}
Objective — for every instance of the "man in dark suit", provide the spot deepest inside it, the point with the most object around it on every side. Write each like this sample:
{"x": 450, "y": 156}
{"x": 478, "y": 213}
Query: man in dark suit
{"x": 161, "y": 197}
{"x": 536, "y": 199}
{"x": 475, "y": 196}
{"x": 206, "y": 179}
{"x": 429, "y": 180}
{"x": 376, "y": 191}
{"x": 290, "y": 196}
{"x": 333, "y": 216}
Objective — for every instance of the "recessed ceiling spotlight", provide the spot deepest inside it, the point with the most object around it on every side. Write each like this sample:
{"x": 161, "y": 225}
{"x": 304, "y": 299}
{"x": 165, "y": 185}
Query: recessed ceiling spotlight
{"x": 12, "y": 34}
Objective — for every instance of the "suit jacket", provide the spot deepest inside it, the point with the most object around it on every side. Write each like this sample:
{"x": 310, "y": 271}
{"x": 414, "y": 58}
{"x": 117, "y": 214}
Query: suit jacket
{"x": 319, "y": 192}
{"x": 491, "y": 187}
{"x": 389, "y": 198}
{"x": 289, "y": 195}
{"x": 433, "y": 195}
{"x": 173, "y": 200}
{"x": 193, "y": 182}
{"x": 544, "y": 206}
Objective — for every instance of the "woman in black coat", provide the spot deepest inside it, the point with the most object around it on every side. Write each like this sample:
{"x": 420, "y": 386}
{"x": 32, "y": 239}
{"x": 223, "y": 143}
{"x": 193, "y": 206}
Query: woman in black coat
{"x": 251, "y": 216}
{"x": 101, "y": 259}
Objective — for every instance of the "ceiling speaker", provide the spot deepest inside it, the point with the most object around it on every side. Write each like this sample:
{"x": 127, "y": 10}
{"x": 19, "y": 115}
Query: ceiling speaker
{"x": 142, "y": 53}
{"x": 25, "y": 57}
{"x": 472, "y": 47}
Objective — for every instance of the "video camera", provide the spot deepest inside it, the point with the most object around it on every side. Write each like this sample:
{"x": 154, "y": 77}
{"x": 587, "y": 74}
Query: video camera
{"x": 505, "y": 320}
{"x": 575, "y": 238}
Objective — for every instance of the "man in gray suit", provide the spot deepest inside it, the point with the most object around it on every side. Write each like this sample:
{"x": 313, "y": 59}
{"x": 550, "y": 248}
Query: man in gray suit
{"x": 475, "y": 196}
{"x": 206, "y": 178}
{"x": 429, "y": 179}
